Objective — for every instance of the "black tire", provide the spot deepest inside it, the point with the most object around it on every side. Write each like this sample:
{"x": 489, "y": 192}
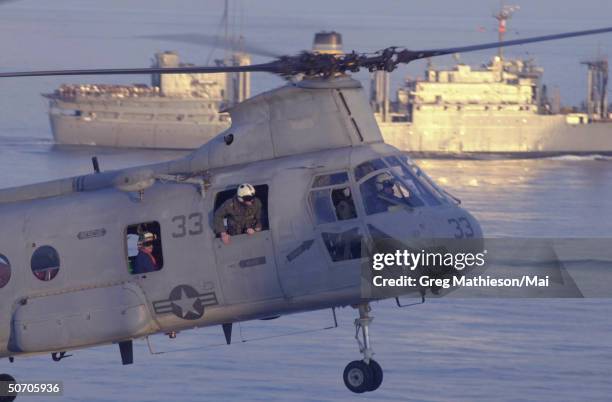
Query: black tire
{"x": 358, "y": 377}
{"x": 7, "y": 378}
{"x": 377, "y": 375}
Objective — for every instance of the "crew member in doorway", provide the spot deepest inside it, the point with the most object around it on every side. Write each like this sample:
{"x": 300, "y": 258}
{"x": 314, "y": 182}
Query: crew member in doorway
{"x": 145, "y": 261}
{"x": 239, "y": 215}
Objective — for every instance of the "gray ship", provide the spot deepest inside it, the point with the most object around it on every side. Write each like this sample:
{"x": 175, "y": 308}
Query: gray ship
{"x": 499, "y": 108}
{"x": 177, "y": 111}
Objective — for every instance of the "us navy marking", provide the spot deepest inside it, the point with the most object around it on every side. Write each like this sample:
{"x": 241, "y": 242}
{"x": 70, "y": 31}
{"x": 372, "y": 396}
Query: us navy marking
{"x": 88, "y": 234}
{"x": 185, "y": 302}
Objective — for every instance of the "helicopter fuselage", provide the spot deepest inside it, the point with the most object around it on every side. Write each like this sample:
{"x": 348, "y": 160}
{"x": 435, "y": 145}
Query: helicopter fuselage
{"x": 298, "y": 261}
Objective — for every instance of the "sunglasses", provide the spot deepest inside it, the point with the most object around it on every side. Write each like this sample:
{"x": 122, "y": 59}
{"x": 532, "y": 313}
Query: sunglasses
{"x": 147, "y": 244}
{"x": 247, "y": 198}
{"x": 388, "y": 183}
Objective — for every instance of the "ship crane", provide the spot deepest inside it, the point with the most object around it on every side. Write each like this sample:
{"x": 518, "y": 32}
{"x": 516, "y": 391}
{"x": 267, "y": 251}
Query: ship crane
{"x": 502, "y": 17}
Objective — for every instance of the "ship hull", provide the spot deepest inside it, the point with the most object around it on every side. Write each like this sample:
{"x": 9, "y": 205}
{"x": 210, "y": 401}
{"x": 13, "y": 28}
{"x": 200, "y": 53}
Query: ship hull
{"x": 525, "y": 134}
{"x": 72, "y": 130}
{"x": 537, "y": 135}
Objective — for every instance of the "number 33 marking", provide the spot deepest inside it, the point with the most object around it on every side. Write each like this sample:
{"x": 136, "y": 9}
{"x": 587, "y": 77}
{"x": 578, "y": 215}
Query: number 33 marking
{"x": 462, "y": 227}
{"x": 191, "y": 224}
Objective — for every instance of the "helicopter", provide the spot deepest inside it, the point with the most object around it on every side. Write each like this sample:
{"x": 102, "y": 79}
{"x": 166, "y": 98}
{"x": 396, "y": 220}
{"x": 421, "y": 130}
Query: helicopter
{"x": 303, "y": 147}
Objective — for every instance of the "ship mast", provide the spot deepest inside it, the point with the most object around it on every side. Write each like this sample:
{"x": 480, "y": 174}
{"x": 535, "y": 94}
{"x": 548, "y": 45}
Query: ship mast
{"x": 502, "y": 17}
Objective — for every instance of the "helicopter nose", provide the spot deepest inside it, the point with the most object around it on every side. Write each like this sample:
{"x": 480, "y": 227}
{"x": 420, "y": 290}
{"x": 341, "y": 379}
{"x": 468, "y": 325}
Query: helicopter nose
{"x": 474, "y": 243}
{"x": 474, "y": 223}
{"x": 465, "y": 232}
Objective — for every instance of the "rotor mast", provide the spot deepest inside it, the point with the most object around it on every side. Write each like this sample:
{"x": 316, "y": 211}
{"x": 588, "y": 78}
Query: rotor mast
{"x": 502, "y": 17}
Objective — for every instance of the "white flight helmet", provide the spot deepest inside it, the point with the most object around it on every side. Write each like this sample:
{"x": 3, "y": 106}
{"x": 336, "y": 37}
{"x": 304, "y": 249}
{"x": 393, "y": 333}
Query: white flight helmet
{"x": 246, "y": 192}
{"x": 384, "y": 180}
{"x": 146, "y": 237}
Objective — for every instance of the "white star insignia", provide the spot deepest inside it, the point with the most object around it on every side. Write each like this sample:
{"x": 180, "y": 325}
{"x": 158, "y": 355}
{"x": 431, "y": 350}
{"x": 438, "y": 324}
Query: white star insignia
{"x": 186, "y": 304}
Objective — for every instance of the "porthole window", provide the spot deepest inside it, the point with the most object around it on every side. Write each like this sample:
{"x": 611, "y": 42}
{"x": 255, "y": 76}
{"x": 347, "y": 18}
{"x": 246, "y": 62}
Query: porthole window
{"x": 5, "y": 271}
{"x": 45, "y": 263}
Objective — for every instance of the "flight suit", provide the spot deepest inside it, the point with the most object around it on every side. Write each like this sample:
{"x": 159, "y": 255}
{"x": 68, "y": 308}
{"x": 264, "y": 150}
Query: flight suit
{"x": 240, "y": 217}
{"x": 144, "y": 263}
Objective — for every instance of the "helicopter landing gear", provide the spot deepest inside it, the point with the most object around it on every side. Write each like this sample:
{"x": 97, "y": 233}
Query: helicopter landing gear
{"x": 5, "y": 379}
{"x": 363, "y": 375}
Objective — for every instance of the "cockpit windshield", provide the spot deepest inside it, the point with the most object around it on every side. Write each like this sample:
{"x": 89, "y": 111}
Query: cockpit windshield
{"x": 414, "y": 182}
{"x": 427, "y": 181}
{"x": 398, "y": 184}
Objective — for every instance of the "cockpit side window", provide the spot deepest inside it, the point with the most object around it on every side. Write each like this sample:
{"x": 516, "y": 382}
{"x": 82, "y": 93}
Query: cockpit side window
{"x": 385, "y": 192}
{"x": 320, "y": 201}
{"x": 333, "y": 203}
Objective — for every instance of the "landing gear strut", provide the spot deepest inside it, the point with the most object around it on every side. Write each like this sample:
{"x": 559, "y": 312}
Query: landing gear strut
{"x": 363, "y": 375}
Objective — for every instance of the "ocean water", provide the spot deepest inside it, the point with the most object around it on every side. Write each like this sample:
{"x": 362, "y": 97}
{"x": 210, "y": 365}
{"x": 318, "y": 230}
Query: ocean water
{"x": 444, "y": 350}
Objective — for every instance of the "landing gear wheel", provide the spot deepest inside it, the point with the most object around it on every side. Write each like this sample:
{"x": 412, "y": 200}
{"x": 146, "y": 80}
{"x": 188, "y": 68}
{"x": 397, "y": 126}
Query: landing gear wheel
{"x": 358, "y": 377}
{"x": 377, "y": 375}
{"x": 7, "y": 378}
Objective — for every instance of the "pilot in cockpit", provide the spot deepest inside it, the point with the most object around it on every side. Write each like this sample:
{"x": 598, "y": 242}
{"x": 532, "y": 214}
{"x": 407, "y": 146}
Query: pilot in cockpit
{"x": 386, "y": 198}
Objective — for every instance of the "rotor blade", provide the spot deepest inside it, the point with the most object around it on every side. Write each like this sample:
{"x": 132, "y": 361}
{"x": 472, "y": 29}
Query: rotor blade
{"x": 215, "y": 41}
{"x": 272, "y": 67}
{"x": 410, "y": 55}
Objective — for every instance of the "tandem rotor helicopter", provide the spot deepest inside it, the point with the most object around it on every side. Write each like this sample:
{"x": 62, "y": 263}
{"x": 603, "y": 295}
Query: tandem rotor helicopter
{"x": 305, "y": 148}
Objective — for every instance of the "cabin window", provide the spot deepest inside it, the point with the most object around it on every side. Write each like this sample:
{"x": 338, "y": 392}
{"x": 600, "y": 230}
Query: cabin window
{"x": 236, "y": 227}
{"x": 344, "y": 245}
{"x": 45, "y": 263}
{"x": 144, "y": 248}
{"x": 5, "y": 271}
